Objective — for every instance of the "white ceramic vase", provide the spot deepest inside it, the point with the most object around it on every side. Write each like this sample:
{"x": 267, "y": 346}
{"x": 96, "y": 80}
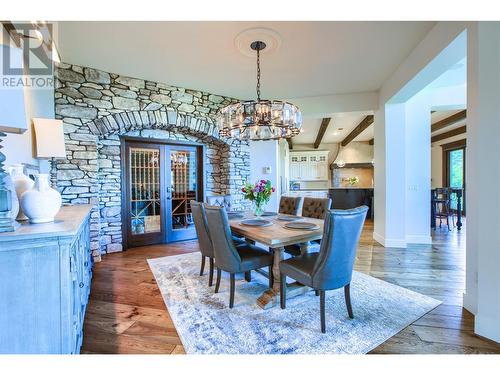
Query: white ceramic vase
{"x": 42, "y": 203}
{"x": 21, "y": 183}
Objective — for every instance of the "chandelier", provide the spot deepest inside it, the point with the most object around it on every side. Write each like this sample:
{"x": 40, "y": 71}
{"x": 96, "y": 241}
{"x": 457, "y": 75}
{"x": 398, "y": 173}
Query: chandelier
{"x": 259, "y": 120}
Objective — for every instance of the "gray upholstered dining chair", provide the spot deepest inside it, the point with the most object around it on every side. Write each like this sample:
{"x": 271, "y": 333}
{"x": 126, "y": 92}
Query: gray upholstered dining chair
{"x": 205, "y": 244}
{"x": 220, "y": 200}
{"x": 315, "y": 208}
{"x": 230, "y": 258}
{"x": 332, "y": 267}
{"x": 204, "y": 240}
{"x": 290, "y": 205}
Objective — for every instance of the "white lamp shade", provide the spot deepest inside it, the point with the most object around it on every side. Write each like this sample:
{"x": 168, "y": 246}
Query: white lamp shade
{"x": 12, "y": 111}
{"x": 49, "y": 135}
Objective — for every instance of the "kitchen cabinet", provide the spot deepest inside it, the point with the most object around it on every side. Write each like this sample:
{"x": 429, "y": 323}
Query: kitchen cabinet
{"x": 309, "y": 165}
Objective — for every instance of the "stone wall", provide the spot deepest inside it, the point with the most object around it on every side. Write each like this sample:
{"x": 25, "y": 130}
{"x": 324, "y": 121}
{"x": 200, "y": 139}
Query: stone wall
{"x": 98, "y": 107}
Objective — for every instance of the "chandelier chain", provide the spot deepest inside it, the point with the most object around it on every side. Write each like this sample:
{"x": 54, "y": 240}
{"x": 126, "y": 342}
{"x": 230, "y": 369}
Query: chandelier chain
{"x": 258, "y": 74}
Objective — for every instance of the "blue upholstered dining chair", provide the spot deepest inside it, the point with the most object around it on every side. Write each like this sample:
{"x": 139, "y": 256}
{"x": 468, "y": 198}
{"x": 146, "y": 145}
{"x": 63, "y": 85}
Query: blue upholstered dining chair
{"x": 332, "y": 267}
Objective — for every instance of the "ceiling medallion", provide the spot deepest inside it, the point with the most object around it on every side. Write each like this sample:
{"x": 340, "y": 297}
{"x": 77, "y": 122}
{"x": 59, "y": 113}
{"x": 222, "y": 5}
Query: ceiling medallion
{"x": 259, "y": 120}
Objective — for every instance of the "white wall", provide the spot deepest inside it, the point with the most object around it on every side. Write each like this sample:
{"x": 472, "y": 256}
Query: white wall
{"x": 483, "y": 178}
{"x": 265, "y": 154}
{"x": 19, "y": 148}
{"x": 283, "y": 167}
{"x": 443, "y": 47}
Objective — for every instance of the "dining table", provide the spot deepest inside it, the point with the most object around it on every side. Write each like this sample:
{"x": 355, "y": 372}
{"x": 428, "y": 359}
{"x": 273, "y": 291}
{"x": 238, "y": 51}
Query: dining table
{"x": 276, "y": 236}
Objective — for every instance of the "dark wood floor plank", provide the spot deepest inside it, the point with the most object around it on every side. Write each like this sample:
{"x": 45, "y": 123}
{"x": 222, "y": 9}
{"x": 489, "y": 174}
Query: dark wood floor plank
{"x": 126, "y": 312}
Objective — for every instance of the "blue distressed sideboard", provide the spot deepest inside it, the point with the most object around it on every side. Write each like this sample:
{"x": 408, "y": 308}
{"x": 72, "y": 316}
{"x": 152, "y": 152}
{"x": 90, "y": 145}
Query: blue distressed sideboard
{"x": 45, "y": 275}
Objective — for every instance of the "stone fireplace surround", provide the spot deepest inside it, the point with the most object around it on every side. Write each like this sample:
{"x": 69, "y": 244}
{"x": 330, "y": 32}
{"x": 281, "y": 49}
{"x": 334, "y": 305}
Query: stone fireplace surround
{"x": 98, "y": 107}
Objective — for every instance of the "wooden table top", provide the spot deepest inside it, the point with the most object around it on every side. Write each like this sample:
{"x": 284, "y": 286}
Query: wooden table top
{"x": 276, "y": 235}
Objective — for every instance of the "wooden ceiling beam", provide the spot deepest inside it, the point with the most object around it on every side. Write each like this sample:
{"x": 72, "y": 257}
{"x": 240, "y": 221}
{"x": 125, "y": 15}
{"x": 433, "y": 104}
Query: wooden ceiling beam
{"x": 321, "y": 132}
{"x": 371, "y": 142}
{"x": 290, "y": 143}
{"x": 449, "y": 134}
{"x": 366, "y": 122}
{"x": 448, "y": 121}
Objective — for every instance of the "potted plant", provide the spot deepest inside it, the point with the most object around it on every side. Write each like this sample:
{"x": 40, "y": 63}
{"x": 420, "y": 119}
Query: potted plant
{"x": 259, "y": 194}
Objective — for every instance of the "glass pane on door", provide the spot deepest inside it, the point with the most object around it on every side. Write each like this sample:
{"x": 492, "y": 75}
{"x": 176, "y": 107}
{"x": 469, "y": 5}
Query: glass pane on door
{"x": 145, "y": 204}
{"x": 456, "y": 168}
{"x": 184, "y": 186}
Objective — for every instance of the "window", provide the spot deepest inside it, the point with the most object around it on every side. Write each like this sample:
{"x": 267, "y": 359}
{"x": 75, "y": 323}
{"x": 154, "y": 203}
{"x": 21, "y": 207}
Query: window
{"x": 454, "y": 169}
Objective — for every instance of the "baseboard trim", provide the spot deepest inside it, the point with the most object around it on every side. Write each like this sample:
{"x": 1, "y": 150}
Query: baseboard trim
{"x": 487, "y": 327}
{"x": 389, "y": 242}
{"x": 424, "y": 240}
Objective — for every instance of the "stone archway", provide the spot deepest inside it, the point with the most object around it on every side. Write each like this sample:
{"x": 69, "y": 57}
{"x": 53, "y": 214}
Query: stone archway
{"x": 92, "y": 173}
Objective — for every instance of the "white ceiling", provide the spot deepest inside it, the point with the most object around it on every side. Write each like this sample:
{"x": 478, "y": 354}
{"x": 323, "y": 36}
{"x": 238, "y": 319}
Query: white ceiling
{"x": 313, "y": 59}
{"x": 341, "y": 124}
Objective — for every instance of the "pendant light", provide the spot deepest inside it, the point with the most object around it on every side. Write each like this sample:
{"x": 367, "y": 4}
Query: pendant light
{"x": 259, "y": 119}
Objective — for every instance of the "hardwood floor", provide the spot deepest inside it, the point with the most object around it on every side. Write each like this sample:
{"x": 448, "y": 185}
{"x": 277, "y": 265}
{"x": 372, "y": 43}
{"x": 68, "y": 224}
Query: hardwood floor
{"x": 126, "y": 313}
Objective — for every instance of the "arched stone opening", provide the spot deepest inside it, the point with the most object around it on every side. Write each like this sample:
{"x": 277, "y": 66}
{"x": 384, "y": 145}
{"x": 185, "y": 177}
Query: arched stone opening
{"x": 92, "y": 173}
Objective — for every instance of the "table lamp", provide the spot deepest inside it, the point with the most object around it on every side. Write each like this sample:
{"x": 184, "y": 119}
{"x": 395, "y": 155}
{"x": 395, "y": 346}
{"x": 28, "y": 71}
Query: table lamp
{"x": 49, "y": 134}
{"x": 12, "y": 120}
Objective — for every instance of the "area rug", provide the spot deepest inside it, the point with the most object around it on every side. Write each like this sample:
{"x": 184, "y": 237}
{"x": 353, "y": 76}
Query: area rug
{"x": 206, "y": 325}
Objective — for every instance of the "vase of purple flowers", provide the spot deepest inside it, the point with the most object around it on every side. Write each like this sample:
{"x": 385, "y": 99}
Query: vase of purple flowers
{"x": 259, "y": 194}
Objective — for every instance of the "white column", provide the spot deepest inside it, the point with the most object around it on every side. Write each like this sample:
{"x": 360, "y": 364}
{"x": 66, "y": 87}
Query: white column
{"x": 390, "y": 178}
{"x": 418, "y": 168}
{"x": 483, "y": 178}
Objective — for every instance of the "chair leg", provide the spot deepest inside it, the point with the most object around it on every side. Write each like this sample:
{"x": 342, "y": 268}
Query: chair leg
{"x": 347, "y": 294}
{"x": 202, "y": 264}
{"x": 231, "y": 292}
{"x": 211, "y": 276}
{"x": 248, "y": 276}
{"x": 217, "y": 282}
{"x": 283, "y": 291}
{"x": 316, "y": 292}
{"x": 271, "y": 277}
{"x": 322, "y": 310}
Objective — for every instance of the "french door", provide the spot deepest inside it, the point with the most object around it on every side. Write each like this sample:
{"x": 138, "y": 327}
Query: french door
{"x": 159, "y": 180}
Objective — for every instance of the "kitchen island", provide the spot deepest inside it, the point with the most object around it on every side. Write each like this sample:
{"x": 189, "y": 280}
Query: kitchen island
{"x": 351, "y": 197}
